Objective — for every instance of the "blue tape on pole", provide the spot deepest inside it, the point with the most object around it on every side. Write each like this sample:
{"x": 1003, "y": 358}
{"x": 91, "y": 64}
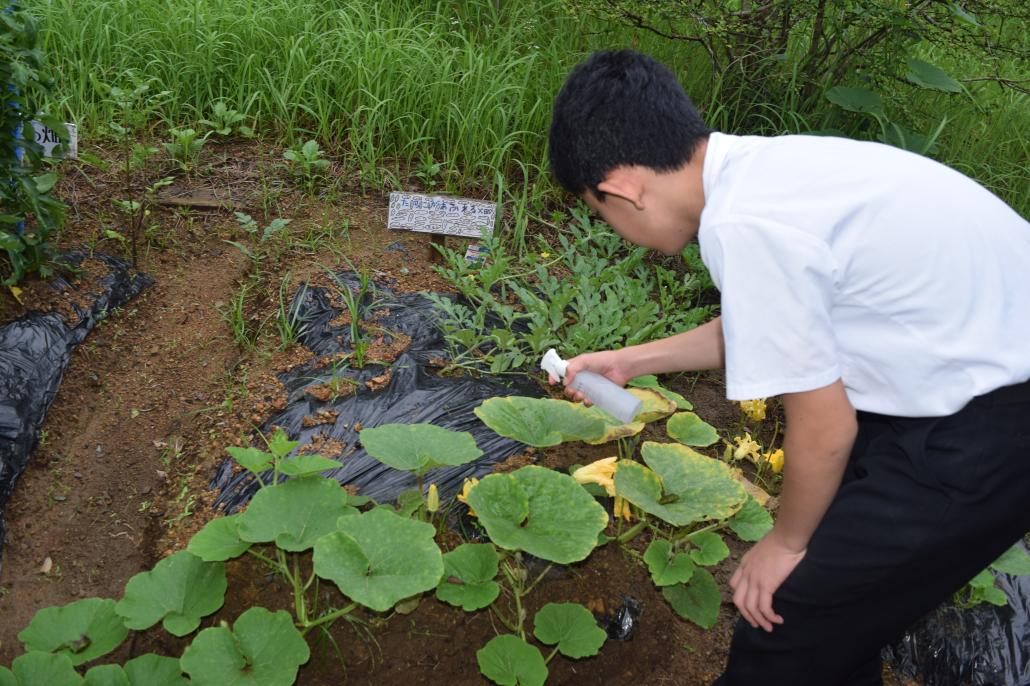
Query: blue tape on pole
{"x": 19, "y": 152}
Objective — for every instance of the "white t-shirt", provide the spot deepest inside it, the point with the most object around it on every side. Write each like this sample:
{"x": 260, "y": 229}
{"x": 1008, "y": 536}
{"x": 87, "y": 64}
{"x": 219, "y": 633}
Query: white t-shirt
{"x": 853, "y": 260}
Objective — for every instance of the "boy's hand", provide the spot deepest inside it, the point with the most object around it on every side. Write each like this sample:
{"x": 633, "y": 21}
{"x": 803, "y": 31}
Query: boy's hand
{"x": 760, "y": 573}
{"x": 821, "y": 430}
{"x": 607, "y": 363}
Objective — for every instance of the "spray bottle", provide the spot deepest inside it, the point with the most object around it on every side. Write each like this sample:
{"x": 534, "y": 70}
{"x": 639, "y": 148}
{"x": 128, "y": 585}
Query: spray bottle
{"x": 601, "y": 391}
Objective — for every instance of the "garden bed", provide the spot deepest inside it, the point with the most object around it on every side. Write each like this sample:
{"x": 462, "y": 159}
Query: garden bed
{"x": 154, "y": 395}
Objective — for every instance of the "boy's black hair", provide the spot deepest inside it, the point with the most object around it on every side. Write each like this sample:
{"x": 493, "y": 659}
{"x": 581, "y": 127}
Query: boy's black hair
{"x": 620, "y": 108}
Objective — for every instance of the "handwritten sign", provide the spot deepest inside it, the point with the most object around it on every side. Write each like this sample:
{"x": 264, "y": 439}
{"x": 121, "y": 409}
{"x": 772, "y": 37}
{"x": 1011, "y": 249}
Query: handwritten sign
{"x": 441, "y": 214}
{"x": 47, "y": 137}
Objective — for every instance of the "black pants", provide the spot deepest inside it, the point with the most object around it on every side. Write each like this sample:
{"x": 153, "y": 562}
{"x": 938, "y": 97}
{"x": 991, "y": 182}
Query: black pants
{"x": 924, "y": 506}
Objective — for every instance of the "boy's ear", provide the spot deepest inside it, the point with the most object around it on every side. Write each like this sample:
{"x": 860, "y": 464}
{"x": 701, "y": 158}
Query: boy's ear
{"x": 623, "y": 183}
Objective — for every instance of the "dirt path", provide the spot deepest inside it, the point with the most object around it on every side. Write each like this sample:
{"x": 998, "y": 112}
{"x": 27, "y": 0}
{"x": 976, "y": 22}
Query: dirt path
{"x": 83, "y": 509}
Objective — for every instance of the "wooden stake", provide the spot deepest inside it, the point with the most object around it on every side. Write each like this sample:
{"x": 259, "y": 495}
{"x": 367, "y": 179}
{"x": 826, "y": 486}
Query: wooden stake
{"x": 434, "y": 240}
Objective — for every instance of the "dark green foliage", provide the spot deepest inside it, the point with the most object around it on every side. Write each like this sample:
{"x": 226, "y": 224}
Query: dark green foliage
{"x": 29, "y": 216}
{"x": 789, "y": 52}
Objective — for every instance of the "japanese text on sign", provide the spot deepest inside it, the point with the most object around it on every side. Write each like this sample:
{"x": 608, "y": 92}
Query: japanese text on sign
{"x": 441, "y": 214}
{"x": 47, "y": 138}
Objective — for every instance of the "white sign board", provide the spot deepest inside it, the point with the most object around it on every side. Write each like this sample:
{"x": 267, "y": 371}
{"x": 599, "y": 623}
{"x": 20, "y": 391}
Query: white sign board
{"x": 47, "y": 137}
{"x": 441, "y": 214}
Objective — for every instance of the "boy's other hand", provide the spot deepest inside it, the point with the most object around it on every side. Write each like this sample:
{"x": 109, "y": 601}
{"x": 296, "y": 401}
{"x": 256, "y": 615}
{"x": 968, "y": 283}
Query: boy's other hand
{"x": 760, "y": 573}
{"x": 608, "y": 363}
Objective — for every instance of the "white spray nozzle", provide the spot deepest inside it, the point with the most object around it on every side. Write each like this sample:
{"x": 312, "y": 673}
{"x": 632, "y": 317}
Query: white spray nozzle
{"x": 553, "y": 364}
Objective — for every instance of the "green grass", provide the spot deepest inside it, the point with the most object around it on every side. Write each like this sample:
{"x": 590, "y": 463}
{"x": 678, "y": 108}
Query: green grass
{"x": 386, "y": 82}
{"x": 393, "y": 85}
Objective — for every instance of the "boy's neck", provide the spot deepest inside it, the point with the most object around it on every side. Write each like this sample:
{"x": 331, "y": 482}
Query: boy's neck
{"x": 686, "y": 185}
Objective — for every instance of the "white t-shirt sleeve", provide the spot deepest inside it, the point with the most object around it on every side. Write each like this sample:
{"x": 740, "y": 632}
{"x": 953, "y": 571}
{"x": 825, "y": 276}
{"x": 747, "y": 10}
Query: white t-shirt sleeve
{"x": 777, "y": 287}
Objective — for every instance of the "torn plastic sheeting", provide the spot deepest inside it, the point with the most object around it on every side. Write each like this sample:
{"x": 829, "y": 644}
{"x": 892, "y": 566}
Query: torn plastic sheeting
{"x": 34, "y": 352}
{"x": 980, "y": 646}
{"x": 412, "y": 395}
{"x": 621, "y": 623}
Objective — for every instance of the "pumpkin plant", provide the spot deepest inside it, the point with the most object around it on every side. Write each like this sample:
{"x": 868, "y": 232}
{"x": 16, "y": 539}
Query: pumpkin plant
{"x": 419, "y": 448}
{"x": 534, "y": 511}
{"x": 684, "y": 498}
{"x": 377, "y": 558}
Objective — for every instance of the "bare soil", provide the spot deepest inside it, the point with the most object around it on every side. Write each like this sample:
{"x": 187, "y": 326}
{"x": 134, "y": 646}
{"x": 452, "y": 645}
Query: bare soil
{"x": 157, "y": 391}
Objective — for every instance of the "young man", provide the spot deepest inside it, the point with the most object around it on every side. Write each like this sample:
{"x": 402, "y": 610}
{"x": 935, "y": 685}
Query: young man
{"x": 886, "y": 298}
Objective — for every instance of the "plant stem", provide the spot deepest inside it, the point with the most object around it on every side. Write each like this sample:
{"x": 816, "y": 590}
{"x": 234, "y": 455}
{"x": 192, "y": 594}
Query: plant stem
{"x": 551, "y": 656}
{"x": 332, "y": 616}
{"x": 504, "y": 620}
{"x": 519, "y": 616}
{"x": 682, "y": 536}
{"x": 298, "y": 592}
{"x": 632, "y": 532}
{"x": 267, "y": 560}
{"x": 310, "y": 580}
{"x": 537, "y": 580}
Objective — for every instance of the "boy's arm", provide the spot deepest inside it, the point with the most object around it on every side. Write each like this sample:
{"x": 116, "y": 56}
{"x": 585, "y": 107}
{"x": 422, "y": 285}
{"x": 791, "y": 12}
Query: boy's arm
{"x": 700, "y": 348}
{"x": 821, "y": 429}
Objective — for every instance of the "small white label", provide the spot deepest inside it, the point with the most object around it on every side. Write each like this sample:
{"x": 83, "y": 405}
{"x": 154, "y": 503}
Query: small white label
{"x": 441, "y": 214}
{"x": 47, "y": 137}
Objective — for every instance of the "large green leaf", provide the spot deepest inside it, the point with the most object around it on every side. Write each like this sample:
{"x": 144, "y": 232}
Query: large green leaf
{"x": 667, "y": 568}
{"x": 294, "y": 514}
{"x": 930, "y": 76}
{"x": 251, "y": 459}
{"x": 419, "y": 447}
{"x": 697, "y": 600}
{"x": 710, "y": 550}
{"x": 689, "y": 429}
{"x": 1013, "y": 561}
{"x": 540, "y": 511}
{"x": 263, "y": 649}
{"x": 180, "y": 589}
{"x": 752, "y": 521}
{"x": 378, "y": 558}
{"x": 83, "y": 630}
{"x": 571, "y": 627}
{"x": 219, "y": 540}
{"x": 306, "y": 465}
{"x": 613, "y": 428}
{"x": 856, "y": 100}
{"x": 984, "y": 590}
{"x": 510, "y": 661}
{"x": 155, "y": 670}
{"x": 541, "y": 422}
{"x": 684, "y": 487}
{"x": 469, "y": 571}
{"x": 106, "y": 675}
{"x": 280, "y": 444}
{"x": 655, "y": 407}
{"x": 36, "y": 668}
{"x": 962, "y": 14}
{"x": 651, "y": 381}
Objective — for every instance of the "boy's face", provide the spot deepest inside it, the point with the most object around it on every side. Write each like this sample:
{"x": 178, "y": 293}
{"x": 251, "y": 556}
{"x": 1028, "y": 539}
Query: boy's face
{"x": 642, "y": 209}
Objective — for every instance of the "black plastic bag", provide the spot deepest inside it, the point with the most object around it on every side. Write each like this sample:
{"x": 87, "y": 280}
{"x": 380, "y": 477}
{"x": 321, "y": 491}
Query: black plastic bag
{"x": 980, "y": 646}
{"x": 34, "y": 352}
{"x": 413, "y": 394}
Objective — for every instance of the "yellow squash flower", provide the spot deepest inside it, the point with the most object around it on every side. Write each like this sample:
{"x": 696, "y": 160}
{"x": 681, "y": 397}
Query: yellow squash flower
{"x": 746, "y": 447}
{"x": 545, "y": 255}
{"x": 622, "y": 510}
{"x": 601, "y": 472}
{"x": 753, "y": 409}
{"x": 464, "y": 495}
{"x": 433, "y": 499}
{"x": 775, "y": 460}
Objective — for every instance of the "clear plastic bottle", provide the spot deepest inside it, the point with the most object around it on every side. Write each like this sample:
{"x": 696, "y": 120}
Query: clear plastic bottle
{"x": 598, "y": 389}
